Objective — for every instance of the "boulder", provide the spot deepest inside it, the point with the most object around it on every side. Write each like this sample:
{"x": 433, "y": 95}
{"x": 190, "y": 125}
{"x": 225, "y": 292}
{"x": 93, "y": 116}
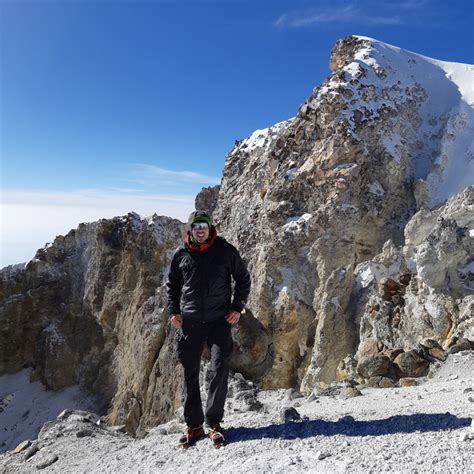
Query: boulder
{"x": 410, "y": 364}
{"x": 371, "y": 366}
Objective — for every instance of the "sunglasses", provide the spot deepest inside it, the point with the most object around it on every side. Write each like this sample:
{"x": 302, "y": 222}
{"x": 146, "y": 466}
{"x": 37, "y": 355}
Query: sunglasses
{"x": 200, "y": 225}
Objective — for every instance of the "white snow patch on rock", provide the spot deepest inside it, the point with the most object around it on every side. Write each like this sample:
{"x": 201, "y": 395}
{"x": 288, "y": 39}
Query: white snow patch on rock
{"x": 392, "y": 143}
{"x": 291, "y": 173}
{"x": 296, "y": 224}
{"x": 262, "y": 138}
{"x": 446, "y": 131}
{"x": 469, "y": 268}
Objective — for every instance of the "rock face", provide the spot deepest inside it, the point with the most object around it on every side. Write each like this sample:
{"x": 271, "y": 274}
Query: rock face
{"x": 90, "y": 309}
{"x": 207, "y": 199}
{"x": 309, "y": 199}
{"x": 430, "y": 304}
{"x": 359, "y": 271}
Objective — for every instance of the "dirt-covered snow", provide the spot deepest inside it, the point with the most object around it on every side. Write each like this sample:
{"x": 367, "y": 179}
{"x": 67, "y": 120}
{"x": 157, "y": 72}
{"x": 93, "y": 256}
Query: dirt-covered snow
{"x": 424, "y": 428}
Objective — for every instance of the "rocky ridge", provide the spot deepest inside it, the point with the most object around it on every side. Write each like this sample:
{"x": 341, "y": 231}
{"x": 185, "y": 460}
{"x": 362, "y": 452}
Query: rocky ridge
{"x": 356, "y": 277}
{"x": 311, "y": 198}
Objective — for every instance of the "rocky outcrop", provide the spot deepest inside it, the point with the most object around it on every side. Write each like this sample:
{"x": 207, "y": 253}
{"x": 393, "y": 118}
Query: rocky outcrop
{"x": 417, "y": 301}
{"x": 309, "y": 199}
{"x": 207, "y": 199}
{"x": 90, "y": 309}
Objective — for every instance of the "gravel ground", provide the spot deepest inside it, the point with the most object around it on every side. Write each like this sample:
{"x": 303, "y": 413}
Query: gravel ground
{"x": 425, "y": 428}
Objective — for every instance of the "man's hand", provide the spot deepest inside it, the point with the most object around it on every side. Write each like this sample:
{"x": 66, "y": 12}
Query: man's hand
{"x": 233, "y": 317}
{"x": 176, "y": 320}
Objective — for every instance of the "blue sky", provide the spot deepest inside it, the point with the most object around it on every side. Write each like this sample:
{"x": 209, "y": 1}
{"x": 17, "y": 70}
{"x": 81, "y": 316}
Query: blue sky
{"x": 116, "y": 106}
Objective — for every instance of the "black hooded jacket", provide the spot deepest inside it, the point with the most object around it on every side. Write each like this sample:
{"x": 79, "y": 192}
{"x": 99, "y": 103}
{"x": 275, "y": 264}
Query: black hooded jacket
{"x": 199, "y": 283}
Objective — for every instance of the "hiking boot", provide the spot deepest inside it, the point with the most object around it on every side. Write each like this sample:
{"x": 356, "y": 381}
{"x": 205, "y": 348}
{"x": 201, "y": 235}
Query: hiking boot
{"x": 216, "y": 433}
{"x": 191, "y": 436}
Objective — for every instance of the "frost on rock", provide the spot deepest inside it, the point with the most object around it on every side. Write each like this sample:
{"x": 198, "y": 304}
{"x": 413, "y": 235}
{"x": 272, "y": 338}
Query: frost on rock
{"x": 296, "y": 224}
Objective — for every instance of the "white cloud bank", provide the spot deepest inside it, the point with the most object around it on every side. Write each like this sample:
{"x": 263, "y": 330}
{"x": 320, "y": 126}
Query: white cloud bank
{"x": 29, "y": 219}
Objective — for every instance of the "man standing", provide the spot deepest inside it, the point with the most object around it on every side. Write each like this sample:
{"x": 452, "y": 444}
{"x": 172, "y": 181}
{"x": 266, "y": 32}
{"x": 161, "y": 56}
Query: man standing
{"x": 203, "y": 309}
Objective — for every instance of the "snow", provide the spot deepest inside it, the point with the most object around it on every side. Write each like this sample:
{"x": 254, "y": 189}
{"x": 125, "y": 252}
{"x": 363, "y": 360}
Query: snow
{"x": 425, "y": 428}
{"x": 54, "y": 336}
{"x": 27, "y": 406}
{"x": 291, "y": 173}
{"x": 262, "y": 138}
{"x": 445, "y": 93}
{"x": 10, "y": 269}
{"x": 296, "y": 224}
{"x": 368, "y": 272}
{"x": 392, "y": 143}
{"x": 287, "y": 278}
{"x": 346, "y": 205}
{"x": 469, "y": 268}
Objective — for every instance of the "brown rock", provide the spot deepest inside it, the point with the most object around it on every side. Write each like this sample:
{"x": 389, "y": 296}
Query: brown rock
{"x": 47, "y": 461}
{"x": 23, "y": 445}
{"x": 30, "y": 451}
{"x": 385, "y": 382}
{"x": 408, "y": 382}
{"x": 430, "y": 343}
{"x": 461, "y": 345}
{"x": 391, "y": 290}
{"x": 253, "y": 351}
{"x": 350, "y": 392}
{"x": 410, "y": 364}
{"x": 405, "y": 278}
{"x": 371, "y": 366}
{"x": 347, "y": 369}
{"x": 393, "y": 353}
{"x": 207, "y": 198}
{"x": 437, "y": 353}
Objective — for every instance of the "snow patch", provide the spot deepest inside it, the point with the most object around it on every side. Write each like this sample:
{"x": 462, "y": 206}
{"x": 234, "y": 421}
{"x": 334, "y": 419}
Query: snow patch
{"x": 287, "y": 278}
{"x": 296, "y": 224}
{"x": 262, "y": 138}
{"x": 468, "y": 269}
{"x": 392, "y": 145}
{"x": 346, "y": 205}
{"x": 343, "y": 166}
{"x": 369, "y": 272}
{"x": 54, "y": 336}
{"x": 382, "y": 77}
{"x": 291, "y": 173}
{"x": 27, "y": 406}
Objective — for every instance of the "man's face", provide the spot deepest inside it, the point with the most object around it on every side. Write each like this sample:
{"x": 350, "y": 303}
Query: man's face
{"x": 200, "y": 231}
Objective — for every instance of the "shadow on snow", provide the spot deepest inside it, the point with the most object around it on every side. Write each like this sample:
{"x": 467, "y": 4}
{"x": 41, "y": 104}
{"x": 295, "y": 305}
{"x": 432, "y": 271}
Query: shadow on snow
{"x": 348, "y": 426}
